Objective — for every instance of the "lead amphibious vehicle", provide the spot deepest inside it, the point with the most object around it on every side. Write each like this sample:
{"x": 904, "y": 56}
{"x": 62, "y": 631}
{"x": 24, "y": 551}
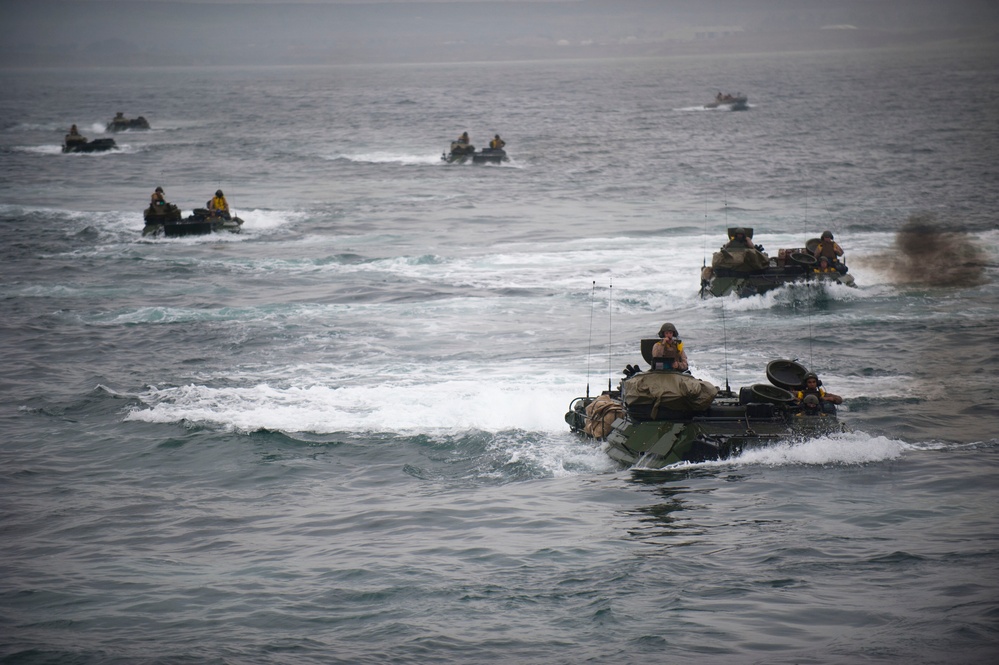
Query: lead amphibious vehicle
{"x": 661, "y": 417}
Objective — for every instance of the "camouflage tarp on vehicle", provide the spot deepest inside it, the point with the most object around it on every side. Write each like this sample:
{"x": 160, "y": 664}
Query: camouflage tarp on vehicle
{"x": 670, "y": 390}
{"x": 740, "y": 260}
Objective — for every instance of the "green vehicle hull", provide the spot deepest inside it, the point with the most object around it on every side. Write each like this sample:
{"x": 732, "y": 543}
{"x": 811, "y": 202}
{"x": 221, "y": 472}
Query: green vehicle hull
{"x": 722, "y": 283}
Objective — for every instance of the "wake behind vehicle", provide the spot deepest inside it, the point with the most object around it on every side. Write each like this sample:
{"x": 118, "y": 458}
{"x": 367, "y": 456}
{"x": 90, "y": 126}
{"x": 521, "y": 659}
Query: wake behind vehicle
{"x": 661, "y": 417}
{"x": 750, "y": 271}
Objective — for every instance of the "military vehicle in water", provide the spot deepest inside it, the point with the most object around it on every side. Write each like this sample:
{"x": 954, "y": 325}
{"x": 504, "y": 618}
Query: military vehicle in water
{"x": 120, "y": 123}
{"x": 166, "y": 220}
{"x": 736, "y": 102}
{"x": 749, "y": 271}
{"x": 661, "y": 417}
{"x": 76, "y": 143}
{"x": 462, "y": 152}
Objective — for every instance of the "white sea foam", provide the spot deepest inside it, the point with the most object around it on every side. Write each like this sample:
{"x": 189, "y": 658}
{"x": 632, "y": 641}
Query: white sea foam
{"x": 848, "y": 448}
{"x": 407, "y": 407}
{"x": 560, "y": 455}
{"x": 49, "y": 149}
{"x": 39, "y": 127}
{"x": 845, "y": 448}
{"x": 265, "y": 221}
{"x": 389, "y": 158}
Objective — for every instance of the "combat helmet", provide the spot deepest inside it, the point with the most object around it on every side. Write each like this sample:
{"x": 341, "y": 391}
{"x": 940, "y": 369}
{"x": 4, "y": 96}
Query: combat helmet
{"x": 827, "y": 234}
{"x": 668, "y": 327}
{"x": 810, "y": 400}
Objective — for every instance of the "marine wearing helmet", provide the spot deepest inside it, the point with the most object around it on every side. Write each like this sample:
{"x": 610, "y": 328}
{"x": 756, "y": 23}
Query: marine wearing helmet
{"x": 811, "y": 387}
{"x": 739, "y": 240}
{"x": 831, "y": 250}
{"x": 218, "y": 206}
{"x": 670, "y": 349}
{"x": 810, "y": 406}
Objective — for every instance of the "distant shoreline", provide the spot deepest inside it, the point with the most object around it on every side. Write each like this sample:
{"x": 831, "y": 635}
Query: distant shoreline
{"x": 125, "y": 54}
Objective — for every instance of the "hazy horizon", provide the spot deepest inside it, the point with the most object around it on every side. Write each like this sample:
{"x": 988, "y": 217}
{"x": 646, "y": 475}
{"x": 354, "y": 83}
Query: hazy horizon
{"x": 179, "y": 32}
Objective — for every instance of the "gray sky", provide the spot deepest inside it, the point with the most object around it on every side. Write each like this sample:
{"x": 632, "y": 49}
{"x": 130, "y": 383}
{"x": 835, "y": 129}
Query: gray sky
{"x": 196, "y": 32}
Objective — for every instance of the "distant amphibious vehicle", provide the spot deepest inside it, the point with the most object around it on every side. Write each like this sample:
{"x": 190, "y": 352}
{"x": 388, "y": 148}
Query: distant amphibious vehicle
{"x": 661, "y": 417}
{"x": 749, "y": 271}
{"x": 736, "y": 102}
{"x": 463, "y": 152}
{"x": 120, "y": 123}
{"x": 166, "y": 220}
{"x": 76, "y": 143}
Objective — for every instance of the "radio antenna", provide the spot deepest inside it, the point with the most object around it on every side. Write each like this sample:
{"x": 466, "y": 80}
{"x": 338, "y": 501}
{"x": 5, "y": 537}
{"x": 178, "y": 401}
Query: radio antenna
{"x": 704, "y": 244}
{"x": 589, "y": 343}
{"x": 610, "y": 329}
{"x": 725, "y": 341}
{"x": 808, "y": 306}
{"x": 704, "y": 248}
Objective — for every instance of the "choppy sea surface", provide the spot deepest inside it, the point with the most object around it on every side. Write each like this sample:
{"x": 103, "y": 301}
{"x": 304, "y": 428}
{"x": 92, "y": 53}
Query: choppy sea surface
{"x": 338, "y": 436}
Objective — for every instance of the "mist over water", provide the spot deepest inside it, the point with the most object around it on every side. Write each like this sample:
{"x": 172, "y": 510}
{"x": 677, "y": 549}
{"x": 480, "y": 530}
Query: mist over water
{"x": 117, "y": 33}
{"x": 339, "y": 436}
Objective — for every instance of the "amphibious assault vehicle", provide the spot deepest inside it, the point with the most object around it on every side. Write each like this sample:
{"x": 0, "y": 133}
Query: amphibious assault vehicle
{"x": 660, "y": 417}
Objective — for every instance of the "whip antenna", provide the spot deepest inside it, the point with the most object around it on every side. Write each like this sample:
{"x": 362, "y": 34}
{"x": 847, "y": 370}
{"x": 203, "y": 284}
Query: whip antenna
{"x": 610, "y": 335}
{"x": 704, "y": 249}
{"x": 589, "y": 343}
{"x": 704, "y": 244}
{"x": 808, "y": 305}
{"x": 725, "y": 342}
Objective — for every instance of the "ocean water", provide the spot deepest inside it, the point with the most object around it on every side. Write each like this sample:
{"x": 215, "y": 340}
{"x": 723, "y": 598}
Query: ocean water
{"x": 338, "y": 436}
